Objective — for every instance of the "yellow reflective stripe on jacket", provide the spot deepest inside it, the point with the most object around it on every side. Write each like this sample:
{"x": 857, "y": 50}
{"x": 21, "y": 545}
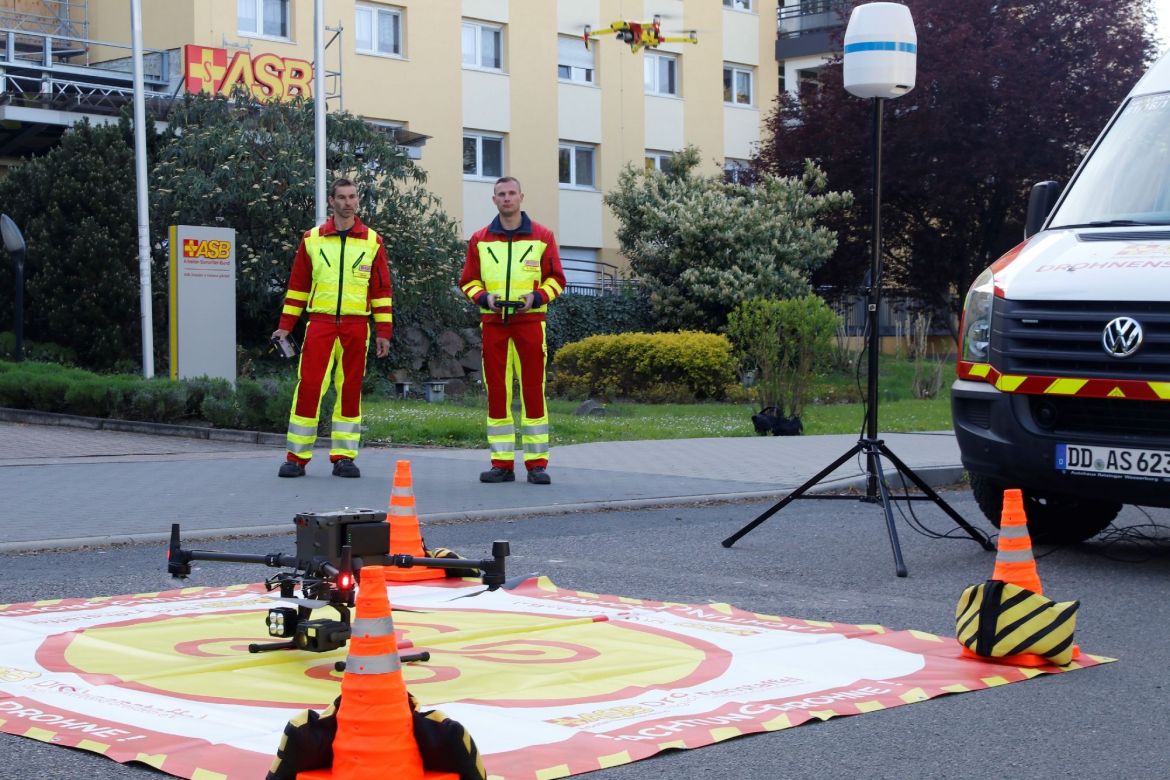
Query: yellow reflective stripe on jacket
{"x": 382, "y": 316}
{"x": 551, "y": 289}
{"x": 335, "y": 277}
{"x": 473, "y": 289}
{"x": 294, "y": 302}
{"x": 510, "y": 270}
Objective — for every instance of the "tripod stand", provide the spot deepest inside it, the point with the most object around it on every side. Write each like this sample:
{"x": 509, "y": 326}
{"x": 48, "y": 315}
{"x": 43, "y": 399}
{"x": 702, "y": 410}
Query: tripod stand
{"x": 876, "y": 491}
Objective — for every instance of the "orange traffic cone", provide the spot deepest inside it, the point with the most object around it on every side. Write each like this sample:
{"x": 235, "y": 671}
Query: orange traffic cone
{"x": 1014, "y": 561}
{"x": 405, "y": 536}
{"x": 1015, "y": 564}
{"x": 375, "y": 725}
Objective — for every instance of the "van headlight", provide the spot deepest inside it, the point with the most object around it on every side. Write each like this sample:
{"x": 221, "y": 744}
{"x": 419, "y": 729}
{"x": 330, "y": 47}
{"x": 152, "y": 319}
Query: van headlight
{"x": 977, "y": 318}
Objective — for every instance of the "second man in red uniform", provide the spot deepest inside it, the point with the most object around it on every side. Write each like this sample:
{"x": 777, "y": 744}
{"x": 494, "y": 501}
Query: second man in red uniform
{"x": 512, "y": 271}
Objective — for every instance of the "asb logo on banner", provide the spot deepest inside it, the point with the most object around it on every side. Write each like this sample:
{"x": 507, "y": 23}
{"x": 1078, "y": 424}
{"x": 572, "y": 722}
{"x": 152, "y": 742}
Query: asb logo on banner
{"x": 214, "y": 250}
{"x": 267, "y": 76}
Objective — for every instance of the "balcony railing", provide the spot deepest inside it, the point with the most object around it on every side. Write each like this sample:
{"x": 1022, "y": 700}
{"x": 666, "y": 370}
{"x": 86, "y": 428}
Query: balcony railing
{"x": 602, "y": 278}
{"x": 810, "y": 16}
{"x": 34, "y": 73}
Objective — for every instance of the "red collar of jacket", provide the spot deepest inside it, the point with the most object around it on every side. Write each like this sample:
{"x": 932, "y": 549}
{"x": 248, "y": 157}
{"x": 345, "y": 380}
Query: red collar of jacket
{"x": 359, "y": 229}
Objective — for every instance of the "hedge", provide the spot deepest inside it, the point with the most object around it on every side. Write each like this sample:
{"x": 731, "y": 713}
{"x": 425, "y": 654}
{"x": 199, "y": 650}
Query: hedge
{"x": 649, "y": 367}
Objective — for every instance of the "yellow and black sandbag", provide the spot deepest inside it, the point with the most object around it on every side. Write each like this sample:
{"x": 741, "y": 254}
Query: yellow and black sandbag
{"x": 998, "y": 619}
{"x": 444, "y": 744}
{"x": 307, "y": 743}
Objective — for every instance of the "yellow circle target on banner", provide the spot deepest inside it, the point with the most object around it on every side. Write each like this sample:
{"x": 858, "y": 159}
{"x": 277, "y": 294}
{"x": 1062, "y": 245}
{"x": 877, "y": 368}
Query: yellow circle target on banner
{"x": 497, "y": 658}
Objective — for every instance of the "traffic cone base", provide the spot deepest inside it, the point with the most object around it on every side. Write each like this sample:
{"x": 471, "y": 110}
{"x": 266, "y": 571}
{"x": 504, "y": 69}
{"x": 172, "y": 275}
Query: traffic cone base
{"x": 327, "y": 774}
{"x": 405, "y": 534}
{"x": 413, "y": 575}
{"x": 1019, "y": 659}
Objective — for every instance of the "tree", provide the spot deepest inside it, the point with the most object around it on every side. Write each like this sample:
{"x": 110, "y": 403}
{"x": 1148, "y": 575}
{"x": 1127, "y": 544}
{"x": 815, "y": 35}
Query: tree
{"x": 703, "y": 245}
{"x": 783, "y": 341}
{"x": 75, "y": 206}
{"x": 1009, "y": 92}
{"x": 249, "y": 166}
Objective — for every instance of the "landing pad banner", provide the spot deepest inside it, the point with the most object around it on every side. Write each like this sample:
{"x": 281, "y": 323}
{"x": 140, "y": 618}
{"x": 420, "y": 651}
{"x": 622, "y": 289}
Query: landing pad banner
{"x": 549, "y": 682}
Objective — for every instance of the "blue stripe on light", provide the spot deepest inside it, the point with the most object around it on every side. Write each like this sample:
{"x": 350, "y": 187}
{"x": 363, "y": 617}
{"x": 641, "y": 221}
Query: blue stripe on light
{"x": 909, "y": 48}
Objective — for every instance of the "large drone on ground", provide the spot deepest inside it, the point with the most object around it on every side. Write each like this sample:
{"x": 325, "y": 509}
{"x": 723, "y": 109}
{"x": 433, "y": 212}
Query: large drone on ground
{"x": 639, "y": 34}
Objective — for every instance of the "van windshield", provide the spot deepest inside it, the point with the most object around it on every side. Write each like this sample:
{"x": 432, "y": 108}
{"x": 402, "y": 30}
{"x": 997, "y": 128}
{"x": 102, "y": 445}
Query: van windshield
{"x": 1127, "y": 179}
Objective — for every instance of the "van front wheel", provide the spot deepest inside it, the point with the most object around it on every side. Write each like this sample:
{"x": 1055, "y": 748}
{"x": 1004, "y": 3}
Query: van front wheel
{"x": 1052, "y": 518}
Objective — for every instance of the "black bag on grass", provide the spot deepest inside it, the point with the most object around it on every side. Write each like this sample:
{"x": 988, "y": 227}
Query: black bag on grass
{"x": 770, "y": 420}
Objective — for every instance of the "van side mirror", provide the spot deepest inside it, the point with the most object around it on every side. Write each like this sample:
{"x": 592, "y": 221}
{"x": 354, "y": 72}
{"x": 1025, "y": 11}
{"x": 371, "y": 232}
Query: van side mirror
{"x": 1040, "y": 203}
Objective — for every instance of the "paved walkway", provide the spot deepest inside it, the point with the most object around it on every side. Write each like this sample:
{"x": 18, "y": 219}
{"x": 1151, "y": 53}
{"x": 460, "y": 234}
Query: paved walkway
{"x": 66, "y": 487}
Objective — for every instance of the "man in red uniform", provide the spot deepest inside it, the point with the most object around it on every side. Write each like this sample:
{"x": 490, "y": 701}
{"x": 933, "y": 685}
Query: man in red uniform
{"x": 512, "y": 271}
{"x": 341, "y": 275}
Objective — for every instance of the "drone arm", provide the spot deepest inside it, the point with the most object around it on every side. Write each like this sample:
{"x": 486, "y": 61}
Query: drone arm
{"x": 491, "y": 569}
{"x": 179, "y": 560}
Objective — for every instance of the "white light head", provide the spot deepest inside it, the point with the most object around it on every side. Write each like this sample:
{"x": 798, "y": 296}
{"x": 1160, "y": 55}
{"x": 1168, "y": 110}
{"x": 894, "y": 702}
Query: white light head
{"x": 13, "y": 240}
{"x": 881, "y": 51}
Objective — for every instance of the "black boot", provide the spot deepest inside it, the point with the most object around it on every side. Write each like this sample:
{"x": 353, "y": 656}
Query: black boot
{"x": 497, "y": 474}
{"x": 346, "y": 468}
{"x": 291, "y": 468}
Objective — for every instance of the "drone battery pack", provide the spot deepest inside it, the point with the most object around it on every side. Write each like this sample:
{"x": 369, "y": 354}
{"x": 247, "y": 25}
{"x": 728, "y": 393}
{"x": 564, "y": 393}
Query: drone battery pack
{"x": 323, "y": 534}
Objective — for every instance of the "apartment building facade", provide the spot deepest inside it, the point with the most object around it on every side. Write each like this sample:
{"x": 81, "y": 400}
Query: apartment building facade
{"x": 480, "y": 88}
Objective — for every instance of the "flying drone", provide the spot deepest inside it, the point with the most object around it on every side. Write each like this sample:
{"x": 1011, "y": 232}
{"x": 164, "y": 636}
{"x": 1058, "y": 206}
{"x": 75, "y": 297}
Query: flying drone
{"x": 639, "y": 34}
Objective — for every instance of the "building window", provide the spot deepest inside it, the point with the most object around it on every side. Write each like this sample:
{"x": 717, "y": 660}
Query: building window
{"x": 575, "y": 62}
{"x": 661, "y": 73}
{"x": 263, "y": 17}
{"x": 483, "y": 155}
{"x": 738, "y": 171}
{"x": 483, "y": 45}
{"x": 737, "y": 85}
{"x": 658, "y": 161}
{"x": 740, "y": 5}
{"x": 808, "y": 82}
{"x": 575, "y": 165}
{"x": 379, "y": 30}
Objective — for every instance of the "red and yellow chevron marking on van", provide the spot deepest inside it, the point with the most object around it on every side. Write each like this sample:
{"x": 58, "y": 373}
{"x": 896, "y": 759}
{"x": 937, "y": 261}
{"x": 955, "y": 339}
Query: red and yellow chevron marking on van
{"x": 1135, "y": 389}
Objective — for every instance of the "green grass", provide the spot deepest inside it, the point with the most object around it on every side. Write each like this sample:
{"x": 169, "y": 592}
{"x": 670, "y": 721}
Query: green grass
{"x": 461, "y": 423}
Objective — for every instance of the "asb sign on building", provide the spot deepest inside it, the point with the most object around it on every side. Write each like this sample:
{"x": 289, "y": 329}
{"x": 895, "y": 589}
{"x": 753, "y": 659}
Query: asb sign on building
{"x": 203, "y": 302}
{"x": 267, "y": 76}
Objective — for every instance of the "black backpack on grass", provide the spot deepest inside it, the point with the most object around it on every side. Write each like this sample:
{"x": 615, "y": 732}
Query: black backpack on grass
{"x": 770, "y": 420}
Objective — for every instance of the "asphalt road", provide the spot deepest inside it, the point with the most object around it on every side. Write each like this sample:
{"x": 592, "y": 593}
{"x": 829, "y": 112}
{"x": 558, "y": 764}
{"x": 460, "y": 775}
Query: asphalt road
{"x": 827, "y": 560}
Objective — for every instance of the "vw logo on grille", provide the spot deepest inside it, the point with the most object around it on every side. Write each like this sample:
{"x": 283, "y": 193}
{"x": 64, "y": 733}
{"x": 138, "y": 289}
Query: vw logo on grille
{"x": 1122, "y": 337}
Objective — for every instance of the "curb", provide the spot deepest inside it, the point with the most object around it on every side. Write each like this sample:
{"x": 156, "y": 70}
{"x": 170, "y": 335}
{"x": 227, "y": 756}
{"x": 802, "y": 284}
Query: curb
{"x": 932, "y": 476}
{"x": 137, "y": 426}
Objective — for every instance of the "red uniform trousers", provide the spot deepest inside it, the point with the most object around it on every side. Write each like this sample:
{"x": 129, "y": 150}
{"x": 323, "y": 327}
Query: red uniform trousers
{"x": 519, "y": 349}
{"x": 336, "y": 347}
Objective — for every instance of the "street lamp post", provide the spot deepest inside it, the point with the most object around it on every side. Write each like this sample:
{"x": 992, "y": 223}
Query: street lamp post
{"x": 14, "y": 243}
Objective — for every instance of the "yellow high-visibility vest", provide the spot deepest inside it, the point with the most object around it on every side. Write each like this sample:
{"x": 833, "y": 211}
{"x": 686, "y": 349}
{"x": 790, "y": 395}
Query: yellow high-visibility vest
{"x": 340, "y": 284}
{"x": 511, "y": 270}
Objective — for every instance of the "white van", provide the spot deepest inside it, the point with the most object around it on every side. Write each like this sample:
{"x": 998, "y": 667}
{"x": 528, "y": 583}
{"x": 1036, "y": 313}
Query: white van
{"x": 1063, "y": 385}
